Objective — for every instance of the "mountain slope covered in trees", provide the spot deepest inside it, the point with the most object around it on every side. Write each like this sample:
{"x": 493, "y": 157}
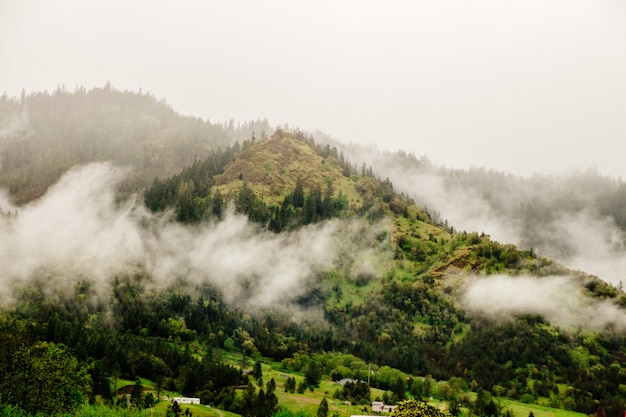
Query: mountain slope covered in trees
{"x": 575, "y": 217}
{"x": 409, "y": 319}
{"x": 388, "y": 293}
{"x": 45, "y": 134}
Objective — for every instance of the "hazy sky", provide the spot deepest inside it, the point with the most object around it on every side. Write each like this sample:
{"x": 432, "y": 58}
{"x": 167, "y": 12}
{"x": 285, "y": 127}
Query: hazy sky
{"x": 521, "y": 86}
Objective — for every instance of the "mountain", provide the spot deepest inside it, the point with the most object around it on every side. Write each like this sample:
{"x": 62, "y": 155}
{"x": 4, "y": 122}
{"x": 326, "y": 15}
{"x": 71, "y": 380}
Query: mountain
{"x": 278, "y": 163}
{"x": 414, "y": 316}
{"x": 277, "y": 247}
{"x": 45, "y": 134}
{"x": 574, "y": 217}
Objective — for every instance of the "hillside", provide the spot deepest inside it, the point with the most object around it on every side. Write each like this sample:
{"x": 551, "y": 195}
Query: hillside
{"x": 42, "y": 135}
{"x": 577, "y": 217}
{"x": 279, "y": 248}
{"x": 409, "y": 312}
{"x": 272, "y": 167}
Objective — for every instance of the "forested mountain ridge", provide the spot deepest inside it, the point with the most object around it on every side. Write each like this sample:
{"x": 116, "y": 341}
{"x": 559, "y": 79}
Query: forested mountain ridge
{"x": 414, "y": 320}
{"x": 278, "y": 163}
{"x": 577, "y": 217}
{"x": 390, "y": 295}
{"x": 268, "y": 180}
{"x": 45, "y": 134}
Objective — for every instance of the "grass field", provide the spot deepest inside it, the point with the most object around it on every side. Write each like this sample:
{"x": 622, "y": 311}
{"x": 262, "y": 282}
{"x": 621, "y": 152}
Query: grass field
{"x": 523, "y": 410}
{"x": 197, "y": 410}
{"x": 309, "y": 401}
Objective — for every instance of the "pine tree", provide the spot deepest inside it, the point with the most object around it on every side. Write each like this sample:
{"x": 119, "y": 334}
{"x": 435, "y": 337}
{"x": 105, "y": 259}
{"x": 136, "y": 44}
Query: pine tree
{"x": 298, "y": 194}
{"x": 257, "y": 371}
{"x": 313, "y": 374}
{"x": 322, "y": 410}
{"x": 136, "y": 394}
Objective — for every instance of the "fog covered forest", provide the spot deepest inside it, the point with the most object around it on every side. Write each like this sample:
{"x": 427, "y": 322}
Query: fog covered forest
{"x": 139, "y": 243}
{"x": 575, "y": 217}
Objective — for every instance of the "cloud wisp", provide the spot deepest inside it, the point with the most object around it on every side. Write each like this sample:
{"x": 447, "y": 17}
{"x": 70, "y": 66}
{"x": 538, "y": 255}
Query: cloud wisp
{"x": 78, "y": 231}
{"x": 559, "y": 299}
{"x": 557, "y": 216}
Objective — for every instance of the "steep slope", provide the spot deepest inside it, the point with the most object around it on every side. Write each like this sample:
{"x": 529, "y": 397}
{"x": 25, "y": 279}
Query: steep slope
{"x": 408, "y": 313}
{"x": 390, "y": 286}
{"x": 43, "y": 135}
{"x": 283, "y": 180}
{"x": 272, "y": 167}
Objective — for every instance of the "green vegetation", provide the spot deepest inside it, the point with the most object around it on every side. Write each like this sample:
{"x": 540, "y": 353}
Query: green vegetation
{"x": 412, "y": 408}
{"x": 389, "y": 322}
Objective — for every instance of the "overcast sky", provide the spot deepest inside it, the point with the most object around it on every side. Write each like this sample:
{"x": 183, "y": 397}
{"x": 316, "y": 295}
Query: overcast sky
{"x": 520, "y": 86}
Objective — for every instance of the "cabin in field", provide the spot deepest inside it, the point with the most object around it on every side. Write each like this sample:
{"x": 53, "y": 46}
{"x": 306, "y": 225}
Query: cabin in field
{"x": 186, "y": 400}
{"x": 381, "y": 407}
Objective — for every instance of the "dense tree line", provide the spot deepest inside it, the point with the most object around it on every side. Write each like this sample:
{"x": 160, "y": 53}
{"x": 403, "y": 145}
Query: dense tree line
{"x": 151, "y": 334}
{"x": 194, "y": 195}
{"x": 48, "y": 133}
{"x": 534, "y": 207}
{"x": 39, "y": 376}
{"x": 406, "y": 323}
{"x": 190, "y": 192}
{"x": 381, "y": 329}
{"x": 531, "y": 359}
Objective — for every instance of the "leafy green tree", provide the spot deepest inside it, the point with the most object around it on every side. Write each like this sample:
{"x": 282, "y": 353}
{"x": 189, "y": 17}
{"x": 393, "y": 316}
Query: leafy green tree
{"x": 485, "y": 405}
{"x": 12, "y": 411}
{"x": 257, "y": 371}
{"x": 414, "y": 408}
{"x": 417, "y": 388}
{"x": 313, "y": 374}
{"x": 427, "y": 386}
{"x": 322, "y": 410}
{"x": 298, "y": 194}
{"x": 137, "y": 394}
{"x": 301, "y": 387}
{"x": 270, "y": 386}
{"x": 41, "y": 378}
{"x": 399, "y": 390}
{"x": 387, "y": 377}
{"x": 229, "y": 343}
{"x": 290, "y": 384}
{"x": 174, "y": 410}
{"x": 148, "y": 400}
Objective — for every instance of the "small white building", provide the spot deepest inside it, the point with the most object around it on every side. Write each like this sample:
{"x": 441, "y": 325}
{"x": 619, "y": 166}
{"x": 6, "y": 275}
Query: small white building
{"x": 186, "y": 400}
{"x": 377, "y": 406}
{"x": 381, "y": 407}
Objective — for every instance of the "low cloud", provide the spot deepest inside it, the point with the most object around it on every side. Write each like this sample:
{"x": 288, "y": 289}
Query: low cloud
{"x": 12, "y": 122}
{"x": 78, "y": 231}
{"x": 557, "y": 216}
{"x": 559, "y": 299}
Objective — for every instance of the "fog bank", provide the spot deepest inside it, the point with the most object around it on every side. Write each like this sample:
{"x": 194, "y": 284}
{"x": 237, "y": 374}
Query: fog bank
{"x": 558, "y": 216}
{"x": 559, "y": 299}
{"x": 78, "y": 231}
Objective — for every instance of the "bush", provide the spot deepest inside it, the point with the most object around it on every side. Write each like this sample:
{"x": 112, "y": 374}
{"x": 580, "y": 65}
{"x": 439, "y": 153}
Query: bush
{"x": 414, "y": 408}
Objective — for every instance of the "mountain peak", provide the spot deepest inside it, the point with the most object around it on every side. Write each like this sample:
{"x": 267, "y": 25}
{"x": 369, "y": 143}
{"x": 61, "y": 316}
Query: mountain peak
{"x": 273, "y": 165}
